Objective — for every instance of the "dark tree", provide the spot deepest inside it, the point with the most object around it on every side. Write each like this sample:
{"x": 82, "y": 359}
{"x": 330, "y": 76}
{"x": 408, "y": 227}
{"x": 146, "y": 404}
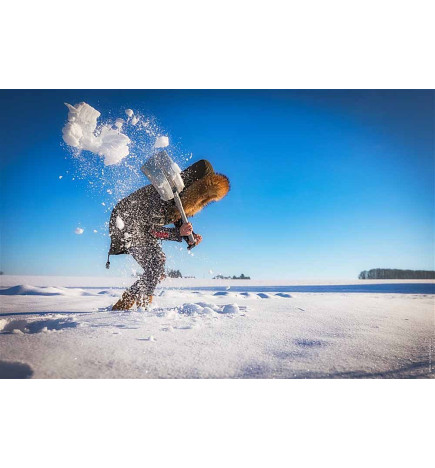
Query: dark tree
{"x": 174, "y": 274}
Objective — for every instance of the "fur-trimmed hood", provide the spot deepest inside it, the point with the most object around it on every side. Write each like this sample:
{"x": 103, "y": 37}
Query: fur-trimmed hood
{"x": 208, "y": 189}
{"x": 202, "y": 185}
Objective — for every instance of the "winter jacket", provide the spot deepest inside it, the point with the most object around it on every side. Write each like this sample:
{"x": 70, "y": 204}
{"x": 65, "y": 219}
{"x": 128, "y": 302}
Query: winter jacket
{"x": 141, "y": 217}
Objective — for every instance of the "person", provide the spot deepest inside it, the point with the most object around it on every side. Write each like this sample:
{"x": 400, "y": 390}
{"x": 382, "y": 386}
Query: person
{"x": 138, "y": 223}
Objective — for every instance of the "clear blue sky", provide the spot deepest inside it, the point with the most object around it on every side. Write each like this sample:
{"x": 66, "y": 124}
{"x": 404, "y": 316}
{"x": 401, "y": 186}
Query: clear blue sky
{"x": 324, "y": 184}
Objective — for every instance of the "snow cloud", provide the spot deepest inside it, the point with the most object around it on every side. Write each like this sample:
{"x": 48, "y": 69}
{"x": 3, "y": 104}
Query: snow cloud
{"x": 81, "y": 132}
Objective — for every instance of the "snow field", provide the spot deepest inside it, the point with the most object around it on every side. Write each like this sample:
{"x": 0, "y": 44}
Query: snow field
{"x": 69, "y": 331}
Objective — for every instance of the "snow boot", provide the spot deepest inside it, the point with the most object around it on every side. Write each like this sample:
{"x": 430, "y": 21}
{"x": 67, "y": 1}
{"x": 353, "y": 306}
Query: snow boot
{"x": 126, "y": 302}
{"x": 144, "y": 301}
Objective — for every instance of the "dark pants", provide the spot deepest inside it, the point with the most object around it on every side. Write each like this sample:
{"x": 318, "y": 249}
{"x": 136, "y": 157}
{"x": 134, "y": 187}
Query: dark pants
{"x": 152, "y": 259}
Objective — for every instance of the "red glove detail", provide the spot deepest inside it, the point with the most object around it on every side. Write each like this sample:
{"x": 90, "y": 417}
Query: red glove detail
{"x": 160, "y": 235}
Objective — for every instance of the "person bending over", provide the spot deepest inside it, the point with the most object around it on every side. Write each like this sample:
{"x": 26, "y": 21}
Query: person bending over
{"x": 138, "y": 226}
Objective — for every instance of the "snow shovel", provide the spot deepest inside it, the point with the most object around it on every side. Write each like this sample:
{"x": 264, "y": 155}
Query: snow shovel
{"x": 164, "y": 174}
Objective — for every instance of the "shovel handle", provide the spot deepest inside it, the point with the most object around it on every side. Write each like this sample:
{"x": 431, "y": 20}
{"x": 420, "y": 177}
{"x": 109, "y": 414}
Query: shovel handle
{"x": 184, "y": 219}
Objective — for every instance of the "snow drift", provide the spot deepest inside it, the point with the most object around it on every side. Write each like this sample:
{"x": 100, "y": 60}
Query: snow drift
{"x": 28, "y": 290}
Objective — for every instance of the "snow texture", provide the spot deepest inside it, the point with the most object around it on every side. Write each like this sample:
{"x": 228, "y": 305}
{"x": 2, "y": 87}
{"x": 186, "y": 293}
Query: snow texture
{"x": 231, "y": 309}
{"x": 63, "y": 327}
{"x": 81, "y": 132}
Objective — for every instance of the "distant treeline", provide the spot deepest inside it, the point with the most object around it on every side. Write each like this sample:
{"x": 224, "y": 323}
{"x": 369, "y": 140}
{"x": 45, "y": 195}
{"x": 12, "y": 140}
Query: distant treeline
{"x": 242, "y": 276}
{"x": 387, "y": 273}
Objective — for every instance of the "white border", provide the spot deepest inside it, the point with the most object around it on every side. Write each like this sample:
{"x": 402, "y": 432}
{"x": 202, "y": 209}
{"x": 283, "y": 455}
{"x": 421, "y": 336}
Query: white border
{"x": 229, "y": 44}
{"x": 107, "y": 423}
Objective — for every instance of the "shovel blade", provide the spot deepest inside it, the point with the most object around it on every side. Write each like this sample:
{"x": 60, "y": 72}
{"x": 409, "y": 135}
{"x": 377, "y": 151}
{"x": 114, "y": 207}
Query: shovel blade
{"x": 164, "y": 174}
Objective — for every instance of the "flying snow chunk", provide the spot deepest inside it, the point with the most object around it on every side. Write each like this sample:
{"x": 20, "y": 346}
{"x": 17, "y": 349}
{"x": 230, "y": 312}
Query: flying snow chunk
{"x": 134, "y": 120}
{"x": 95, "y": 231}
{"x": 129, "y": 112}
{"x": 119, "y": 123}
{"x": 119, "y": 223}
{"x": 60, "y": 177}
{"x": 161, "y": 142}
{"x": 81, "y": 132}
{"x": 79, "y": 230}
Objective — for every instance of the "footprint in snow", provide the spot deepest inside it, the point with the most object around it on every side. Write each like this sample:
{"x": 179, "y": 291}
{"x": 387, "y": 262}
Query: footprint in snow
{"x": 21, "y": 326}
{"x": 308, "y": 343}
{"x": 286, "y": 295}
{"x": 248, "y": 295}
{"x": 149, "y": 338}
{"x": 208, "y": 305}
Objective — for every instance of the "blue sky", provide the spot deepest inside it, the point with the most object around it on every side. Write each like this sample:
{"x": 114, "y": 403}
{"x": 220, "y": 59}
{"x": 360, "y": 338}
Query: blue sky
{"x": 324, "y": 184}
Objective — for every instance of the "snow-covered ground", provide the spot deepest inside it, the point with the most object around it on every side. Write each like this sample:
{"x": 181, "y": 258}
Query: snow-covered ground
{"x": 62, "y": 327}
